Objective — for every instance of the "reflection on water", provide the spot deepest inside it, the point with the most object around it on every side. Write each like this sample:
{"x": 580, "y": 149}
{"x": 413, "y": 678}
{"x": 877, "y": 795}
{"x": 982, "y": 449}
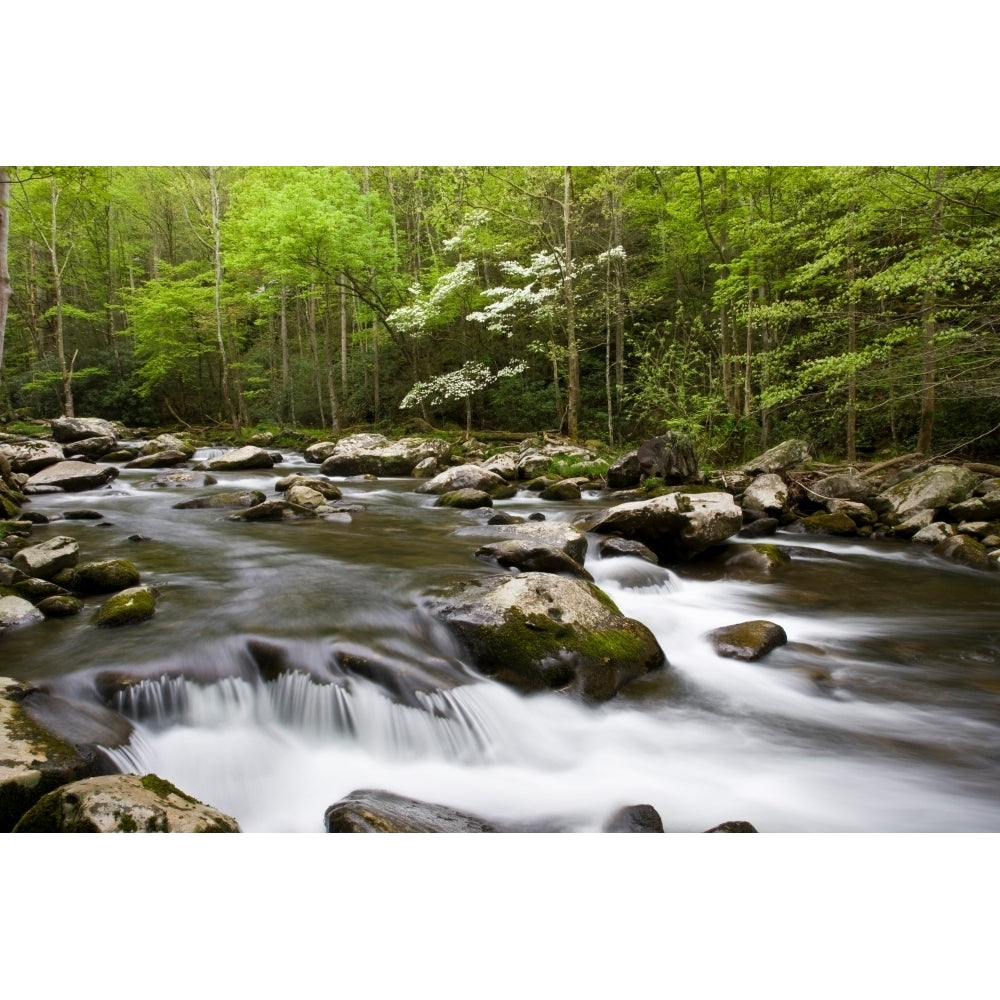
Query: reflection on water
{"x": 289, "y": 664}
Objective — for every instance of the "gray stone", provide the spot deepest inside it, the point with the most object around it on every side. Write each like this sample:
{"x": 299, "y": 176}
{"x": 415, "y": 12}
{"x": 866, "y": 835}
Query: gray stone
{"x": 937, "y": 487}
{"x": 634, "y": 819}
{"x": 47, "y": 558}
{"x": 670, "y": 457}
{"x": 32, "y": 456}
{"x": 70, "y": 429}
{"x": 464, "y": 499}
{"x": 373, "y": 454}
{"x": 468, "y": 477}
{"x": 767, "y": 492}
{"x": 747, "y": 640}
{"x": 247, "y": 457}
{"x": 377, "y": 811}
{"x": 624, "y": 472}
{"x": 16, "y": 612}
{"x": 784, "y": 456}
{"x": 556, "y": 534}
{"x": 71, "y": 477}
{"x": 123, "y": 803}
{"x": 530, "y": 557}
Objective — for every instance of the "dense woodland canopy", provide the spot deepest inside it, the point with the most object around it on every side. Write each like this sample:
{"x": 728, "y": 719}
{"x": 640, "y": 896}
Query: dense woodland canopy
{"x": 857, "y": 307}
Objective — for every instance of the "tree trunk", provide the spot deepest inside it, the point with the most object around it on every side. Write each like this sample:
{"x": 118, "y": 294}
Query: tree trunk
{"x": 928, "y": 331}
{"x": 5, "y": 282}
{"x": 331, "y": 386}
{"x": 572, "y": 351}
{"x": 57, "y": 273}
{"x": 343, "y": 333}
{"x": 225, "y": 381}
{"x": 852, "y": 378}
{"x": 287, "y": 395}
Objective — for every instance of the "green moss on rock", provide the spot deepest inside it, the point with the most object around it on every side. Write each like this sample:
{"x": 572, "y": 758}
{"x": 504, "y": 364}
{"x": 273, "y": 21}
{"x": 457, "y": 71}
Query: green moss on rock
{"x": 128, "y": 607}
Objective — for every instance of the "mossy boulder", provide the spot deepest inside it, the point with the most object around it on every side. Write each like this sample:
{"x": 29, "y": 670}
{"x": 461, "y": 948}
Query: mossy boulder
{"x": 468, "y": 477}
{"x": 123, "y": 803}
{"x": 531, "y": 557}
{"x": 464, "y": 499}
{"x": 104, "y": 576}
{"x": 828, "y": 524}
{"x": 127, "y": 607}
{"x": 33, "y": 760}
{"x": 60, "y": 606}
{"x": 966, "y": 551}
{"x": 935, "y": 488}
{"x": 758, "y": 558}
{"x": 565, "y": 489}
{"x": 539, "y": 631}
{"x": 325, "y": 487}
{"x": 747, "y": 640}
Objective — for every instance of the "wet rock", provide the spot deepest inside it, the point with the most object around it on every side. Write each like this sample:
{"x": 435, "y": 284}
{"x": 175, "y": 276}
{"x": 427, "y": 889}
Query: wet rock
{"x": 538, "y": 631}
{"x": 748, "y": 640}
{"x": 733, "y": 826}
{"x": 321, "y": 450}
{"x": 168, "y": 442}
{"x": 247, "y": 457}
{"x": 34, "y": 589}
{"x": 634, "y": 819}
{"x": 565, "y": 489}
{"x": 464, "y": 499}
{"x": 530, "y": 557}
{"x": 72, "y": 477}
{"x": 984, "y": 508}
{"x": 964, "y": 550}
{"x": 935, "y": 488}
{"x": 861, "y": 514}
{"x": 377, "y": 811}
{"x": 609, "y": 548}
{"x": 180, "y": 479}
{"x": 60, "y": 606}
{"x": 47, "y": 558}
{"x": 83, "y": 515}
{"x": 33, "y": 760}
{"x": 16, "y": 612}
{"x": 468, "y": 477}
{"x": 100, "y": 577}
{"x": 92, "y": 447}
{"x": 759, "y": 527}
{"x": 123, "y": 803}
{"x": 914, "y": 523}
{"x": 556, "y": 534}
{"x": 827, "y": 524}
{"x": 71, "y": 429}
{"x": 624, "y": 473}
{"x": 158, "y": 460}
{"x": 374, "y": 454}
{"x": 504, "y": 465}
{"x": 305, "y": 496}
{"x": 677, "y": 527}
{"x": 767, "y": 493}
{"x": 127, "y": 607}
{"x": 784, "y": 456}
{"x": 32, "y": 456}
{"x": 273, "y": 510}
{"x": 225, "y": 500}
{"x": 758, "y": 559}
{"x": 328, "y": 490}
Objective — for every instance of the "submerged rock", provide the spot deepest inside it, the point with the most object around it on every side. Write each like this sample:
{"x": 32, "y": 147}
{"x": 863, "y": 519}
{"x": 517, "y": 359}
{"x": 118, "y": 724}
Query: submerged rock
{"x": 538, "y": 631}
{"x": 377, "y": 811}
{"x": 223, "y": 501}
{"x": 123, "y": 803}
{"x": 747, "y": 640}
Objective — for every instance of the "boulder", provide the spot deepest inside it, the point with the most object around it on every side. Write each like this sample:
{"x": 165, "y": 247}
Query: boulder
{"x": 468, "y": 477}
{"x": 634, "y": 819}
{"x": 747, "y": 640}
{"x": 123, "y": 803}
{"x": 305, "y": 496}
{"x": 983, "y": 508}
{"x": 784, "y": 456}
{"x": 327, "y": 489}
{"x": 677, "y": 527}
{"x": 70, "y": 429}
{"x": 273, "y": 510}
{"x": 247, "y": 457}
{"x": 226, "y": 500}
{"x": 733, "y": 826}
{"x": 966, "y": 551}
{"x": 168, "y": 442}
{"x": 179, "y": 480}
{"x": 47, "y": 558}
{"x": 60, "y": 606}
{"x": 555, "y": 534}
{"x": 538, "y": 631}
{"x": 624, "y": 472}
{"x": 565, "y": 489}
{"x": 17, "y": 611}
{"x": 32, "y": 456}
{"x": 33, "y": 760}
{"x": 613, "y": 546}
{"x": 768, "y": 492}
{"x": 127, "y": 607}
{"x": 861, "y": 514}
{"x": 321, "y": 450}
{"x": 758, "y": 559}
{"x": 842, "y": 486}
{"x": 670, "y": 457}
{"x": 102, "y": 576}
{"x": 377, "y": 811}
{"x": 827, "y": 524}
{"x": 464, "y": 499}
{"x": 504, "y": 465}
{"x": 934, "y": 533}
{"x": 935, "y": 488}
{"x": 373, "y": 454}
{"x": 914, "y": 523}
{"x": 531, "y": 557}
{"x": 91, "y": 447}
{"x": 72, "y": 477}
{"x": 158, "y": 460}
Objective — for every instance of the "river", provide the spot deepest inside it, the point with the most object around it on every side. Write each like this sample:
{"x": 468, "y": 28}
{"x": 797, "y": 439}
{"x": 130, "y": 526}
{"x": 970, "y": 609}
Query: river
{"x": 882, "y": 714}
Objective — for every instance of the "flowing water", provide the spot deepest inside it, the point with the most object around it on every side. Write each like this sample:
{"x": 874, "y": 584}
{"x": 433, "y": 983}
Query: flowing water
{"x": 291, "y": 663}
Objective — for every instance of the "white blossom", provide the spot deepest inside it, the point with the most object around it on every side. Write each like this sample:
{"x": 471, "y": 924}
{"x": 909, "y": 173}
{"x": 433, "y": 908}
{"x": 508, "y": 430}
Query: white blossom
{"x": 472, "y": 377}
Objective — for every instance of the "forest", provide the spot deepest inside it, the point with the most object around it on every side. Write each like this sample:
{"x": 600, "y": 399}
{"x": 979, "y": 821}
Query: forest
{"x": 853, "y": 306}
